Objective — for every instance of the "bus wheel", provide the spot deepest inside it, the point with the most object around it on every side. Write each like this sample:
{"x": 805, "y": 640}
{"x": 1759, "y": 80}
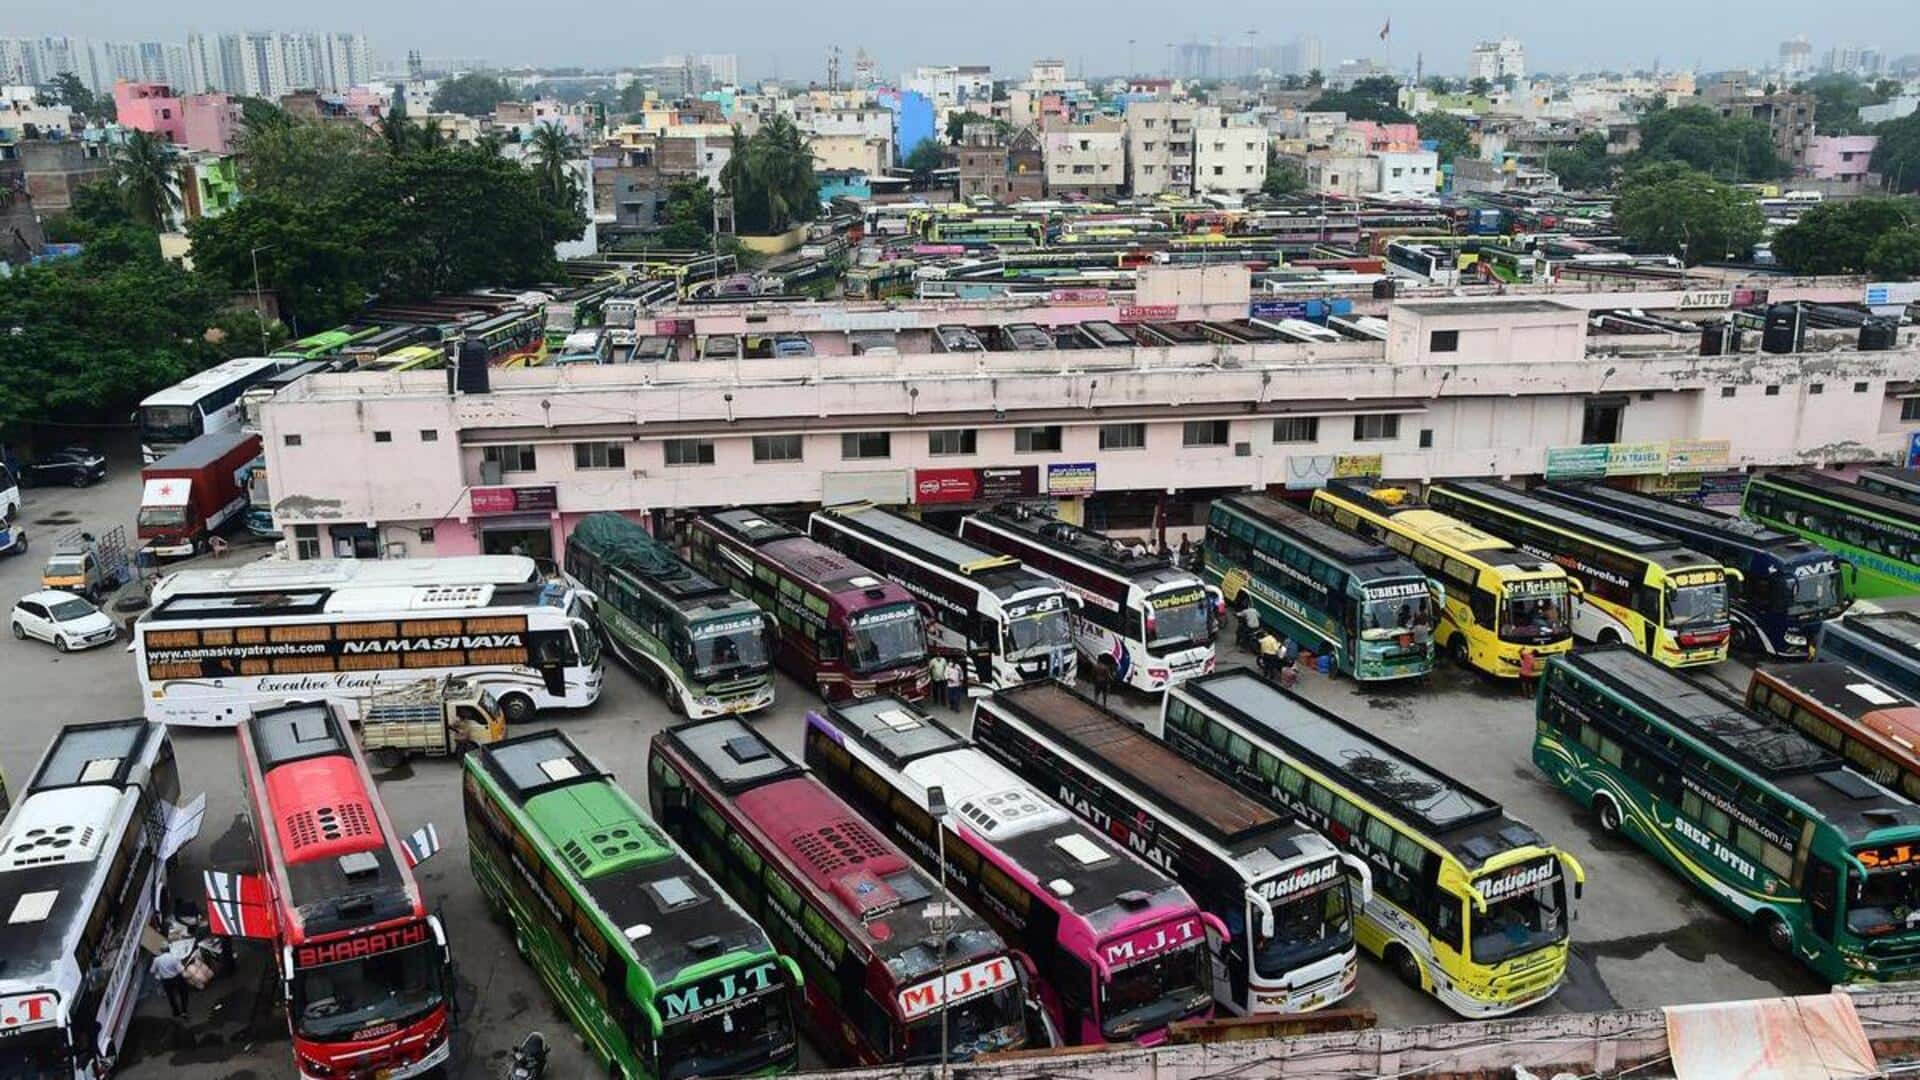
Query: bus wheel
{"x": 518, "y": 707}
{"x": 1608, "y": 637}
{"x": 1457, "y": 649}
{"x": 1778, "y": 934}
{"x": 1742, "y": 639}
{"x": 1400, "y": 958}
{"x": 1608, "y": 812}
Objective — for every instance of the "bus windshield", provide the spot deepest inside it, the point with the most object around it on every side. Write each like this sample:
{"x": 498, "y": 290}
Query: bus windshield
{"x": 735, "y": 1041}
{"x": 169, "y": 423}
{"x": 1036, "y": 626}
{"x": 1885, "y": 903}
{"x": 983, "y": 1025}
{"x": 332, "y": 1002}
{"x": 1535, "y": 611}
{"x": 727, "y": 646}
{"x": 1384, "y": 617}
{"x": 1178, "y": 619}
{"x": 886, "y": 637}
{"x": 1697, "y": 605}
{"x": 1156, "y": 992}
{"x": 1305, "y": 929}
{"x": 1815, "y": 591}
{"x": 36, "y": 1055}
{"x": 1521, "y": 923}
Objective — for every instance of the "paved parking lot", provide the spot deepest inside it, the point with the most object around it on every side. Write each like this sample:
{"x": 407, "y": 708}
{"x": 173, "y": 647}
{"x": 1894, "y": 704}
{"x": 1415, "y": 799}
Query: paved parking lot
{"x": 1641, "y": 937}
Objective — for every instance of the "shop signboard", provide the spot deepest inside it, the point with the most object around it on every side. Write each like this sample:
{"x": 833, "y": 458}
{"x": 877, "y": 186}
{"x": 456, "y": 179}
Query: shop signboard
{"x": 1071, "y": 478}
{"x": 495, "y": 501}
{"x": 1356, "y": 466}
{"x": 1587, "y": 462}
{"x": 1698, "y": 455}
{"x": 1636, "y": 459}
{"x": 975, "y": 485}
{"x": 1139, "y": 313}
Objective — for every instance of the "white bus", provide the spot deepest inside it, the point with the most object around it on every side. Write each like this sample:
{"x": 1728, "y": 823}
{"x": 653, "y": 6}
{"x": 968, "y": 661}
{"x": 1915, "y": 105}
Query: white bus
{"x": 82, "y": 870}
{"x": 1148, "y": 623}
{"x": 217, "y": 643}
{"x": 203, "y": 402}
{"x": 1007, "y": 622}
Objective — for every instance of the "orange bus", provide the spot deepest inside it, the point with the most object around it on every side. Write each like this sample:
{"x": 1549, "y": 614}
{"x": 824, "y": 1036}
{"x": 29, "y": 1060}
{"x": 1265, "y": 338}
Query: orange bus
{"x": 1875, "y": 728}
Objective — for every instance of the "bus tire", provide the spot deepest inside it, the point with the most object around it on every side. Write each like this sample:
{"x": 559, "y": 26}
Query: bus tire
{"x": 1608, "y": 637}
{"x": 1607, "y": 813}
{"x": 1400, "y": 959}
{"x": 1458, "y": 652}
{"x": 518, "y": 708}
{"x": 1776, "y": 932}
{"x": 1743, "y": 638}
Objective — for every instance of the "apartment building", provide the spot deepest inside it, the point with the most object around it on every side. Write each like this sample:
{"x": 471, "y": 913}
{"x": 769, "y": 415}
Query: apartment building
{"x": 1003, "y": 168}
{"x": 1229, "y": 154}
{"x": 1087, "y": 158}
{"x": 1788, "y": 117}
{"x": 1160, "y": 145}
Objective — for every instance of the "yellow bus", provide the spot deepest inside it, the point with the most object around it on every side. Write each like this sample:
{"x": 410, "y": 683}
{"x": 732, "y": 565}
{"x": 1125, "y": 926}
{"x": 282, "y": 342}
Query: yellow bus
{"x": 411, "y": 358}
{"x": 1469, "y": 905}
{"x": 1636, "y": 589}
{"x": 1494, "y": 600}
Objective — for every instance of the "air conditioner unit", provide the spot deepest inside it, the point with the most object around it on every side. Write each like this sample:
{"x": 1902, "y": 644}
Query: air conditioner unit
{"x": 1243, "y": 449}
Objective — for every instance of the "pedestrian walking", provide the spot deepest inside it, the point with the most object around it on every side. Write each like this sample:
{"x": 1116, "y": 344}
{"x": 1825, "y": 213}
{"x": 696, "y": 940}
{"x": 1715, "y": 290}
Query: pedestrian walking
{"x": 172, "y": 976}
{"x": 1529, "y": 671}
{"x": 956, "y": 684}
{"x": 937, "y": 676}
{"x": 1249, "y": 626}
{"x": 1269, "y": 656}
{"x": 1186, "y": 552}
{"x": 1102, "y": 683}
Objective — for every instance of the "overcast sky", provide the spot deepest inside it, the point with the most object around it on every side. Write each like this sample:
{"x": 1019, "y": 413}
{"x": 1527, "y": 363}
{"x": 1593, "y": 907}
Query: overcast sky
{"x": 790, "y": 39}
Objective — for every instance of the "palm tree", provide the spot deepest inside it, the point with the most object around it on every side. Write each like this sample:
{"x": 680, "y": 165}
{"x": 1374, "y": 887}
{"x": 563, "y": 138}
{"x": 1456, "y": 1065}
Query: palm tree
{"x": 399, "y": 134}
{"x": 143, "y": 174}
{"x": 551, "y": 150}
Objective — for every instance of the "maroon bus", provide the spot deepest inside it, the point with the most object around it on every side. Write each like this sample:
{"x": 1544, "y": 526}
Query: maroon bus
{"x": 863, "y": 921}
{"x": 850, "y": 632}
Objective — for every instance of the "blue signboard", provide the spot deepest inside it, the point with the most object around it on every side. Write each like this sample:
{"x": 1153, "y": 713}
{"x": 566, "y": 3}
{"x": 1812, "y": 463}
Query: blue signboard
{"x": 1311, "y": 310}
{"x": 1913, "y": 450}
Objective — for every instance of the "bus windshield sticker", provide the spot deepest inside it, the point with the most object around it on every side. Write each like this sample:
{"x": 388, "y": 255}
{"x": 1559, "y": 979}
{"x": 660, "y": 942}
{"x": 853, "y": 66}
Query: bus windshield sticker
{"x": 1144, "y": 945}
{"x": 1299, "y": 882}
{"x": 1891, "y": 857}
{"x": 721, "y": 627}
{"x": 1181, "y": 598}
{"x": 1517, "y": 880}
{"x": 1396, "y": 592}
{"x": 1528, "y": 587}
{"x": 717, "y": 991}
{"x": 1037, "y": 607}
{"x": 879, "y": 616}
{"x": 360, "y": 946}
{"x": 969, "y": 982}
{"x": 23, "y": 1011}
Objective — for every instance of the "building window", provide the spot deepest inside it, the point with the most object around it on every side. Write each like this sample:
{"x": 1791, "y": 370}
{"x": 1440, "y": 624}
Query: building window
{"x": 1816, "y": 388}
{"x": 1123, "y": 436}
{"x": 1910, "y": 408}
{"x": 1296, "y": 429}
{"x": 1859, "y": 388}
{"x": 948, "y": 442}
{"x": 429, "y": 435}
{"x": 1774, "y": 390}
{"x": 1728, "y": 391}
{"x": 1204, "y": 433}
{"x": 1444, "y": 341}
{"x": 1426, "y": 438}
{"x": 1376, "y": 428}
{"x": 1600, "y": 422}
{"x": 383, "y": 436}
{"x": 306, "y": 541}
{"x": 866, "y": 445}
{"x": 601, "y": 455}
{"x": 512, "y": 457}
{"x": 689, "y": 451}
{"x": 1037, "y": 440}
{"x": 290, "y": 440}
{"x": 426, "y": 534}
{"x": 776, "y": 448}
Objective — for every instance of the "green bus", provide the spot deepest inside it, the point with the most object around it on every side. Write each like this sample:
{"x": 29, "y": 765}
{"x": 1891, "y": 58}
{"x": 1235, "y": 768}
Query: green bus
{"x": 1876, "y": 534}
{"x": 1364, "y": 604}
{"x": 662, "y": 974}
{"x": 1821, "y": 861}
{"x": 704, "y": 646}
{"x": 326, "y": 343}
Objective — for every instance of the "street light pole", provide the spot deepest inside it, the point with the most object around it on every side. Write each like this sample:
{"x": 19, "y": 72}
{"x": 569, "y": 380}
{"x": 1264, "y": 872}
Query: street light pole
{"x": 937, "y": 809}
{"x": 259, "y": 307}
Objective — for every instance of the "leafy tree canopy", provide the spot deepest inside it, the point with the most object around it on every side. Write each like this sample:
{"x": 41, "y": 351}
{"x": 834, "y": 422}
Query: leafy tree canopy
{"x": 67, "y": 89}
{"x": 1584, "y": 166}
{"x": 1450, "y": 132}
{"x": 925, "y": 157}
{"x": 473, "y": 95}
{"x": 1283, "y": 178}
{"x": 1897, "y": 155}
{"x": 1838, "y": 237}
{"x": 770, "y": 177}
{"x": 1699, "y": 137}
{"x": 1672, "y": 209}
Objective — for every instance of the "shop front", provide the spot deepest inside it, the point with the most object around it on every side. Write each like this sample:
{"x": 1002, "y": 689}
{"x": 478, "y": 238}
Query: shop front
{"x": 517, "y": 521}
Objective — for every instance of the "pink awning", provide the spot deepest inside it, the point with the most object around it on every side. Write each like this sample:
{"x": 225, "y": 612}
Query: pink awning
{"x": 1801, "y": 1038}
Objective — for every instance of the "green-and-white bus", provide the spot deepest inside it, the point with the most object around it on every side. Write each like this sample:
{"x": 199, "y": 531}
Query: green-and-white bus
{"x": 704, "y": 646}
{"x": 1362, "y": 603}
{"x": 1876, "y": 534}
{"x": 1821, "y": 861}
{"x": 662, "y": 974}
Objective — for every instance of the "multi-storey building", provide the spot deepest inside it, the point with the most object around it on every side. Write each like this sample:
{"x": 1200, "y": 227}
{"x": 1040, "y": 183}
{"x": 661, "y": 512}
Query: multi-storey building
{"x": 1497, "y": 60}
{"x": 1087, "y": 158}
{"x": 1229, "y": 153}
{"x": 1160, "y": 146}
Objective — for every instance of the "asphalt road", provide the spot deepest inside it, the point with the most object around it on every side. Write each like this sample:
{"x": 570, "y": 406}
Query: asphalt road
{"x": 1641, "y": 937}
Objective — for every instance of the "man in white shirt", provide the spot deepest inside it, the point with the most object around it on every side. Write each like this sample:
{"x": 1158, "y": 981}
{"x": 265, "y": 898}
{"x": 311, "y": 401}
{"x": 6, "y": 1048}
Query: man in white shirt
{"x": 172, "y": 976}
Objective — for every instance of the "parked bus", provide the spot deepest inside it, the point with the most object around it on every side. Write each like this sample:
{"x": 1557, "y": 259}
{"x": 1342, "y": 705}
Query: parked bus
{"x": 1495, "y": 600}
{"x": 1902, "y": 484}
{"x": 200, "y": 403}
{"x": 215, "y": 643}
{"x": 1874, "y": 728}
{"x": 705, "y": 647}
{"x": 662, "y": 975}
{"x": 382, "y": 342}
{"x": 1636, "y": 588}
{"x": 363, "y": 964}
{"x": 881, "y": 281}
{"x": 82, "y": 875}
{"x": 840, "y": 627}
{"x": 865, "y": 924}
{"x": 1361, "y": 603}
{"x": 973, "y": 231}
{"x": 514, "y": 338}
{"x": 411, "y": 358}
{"x": 1877, "y": 536}
{"x": 1468, "y": 903}
{"x": 1280, "y": 888}
{"x": 326, "y": 343}
{"x": 1007, "y": 622}
{"x": 1820, "y": 861}
{"x": 1785, "y": 589}
{"x": 1884, "y": 644}
{"x": 1120, "y": 950}
{"x": 1148, "y": 623}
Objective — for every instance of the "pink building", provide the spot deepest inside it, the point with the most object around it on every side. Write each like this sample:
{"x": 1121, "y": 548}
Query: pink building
{"x": 150, "y": 107}
{"x": 1840, "y": 157}
{"x": 1395, "y": 137}
{"x": 211, "y": 122}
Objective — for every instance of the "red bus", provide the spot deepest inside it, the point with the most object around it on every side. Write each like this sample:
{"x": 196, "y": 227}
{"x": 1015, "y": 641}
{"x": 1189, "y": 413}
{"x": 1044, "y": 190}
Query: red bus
{"x": 364, "y": 967}
{"x": 864, "y": 922}
{"x": 848, "y": 631}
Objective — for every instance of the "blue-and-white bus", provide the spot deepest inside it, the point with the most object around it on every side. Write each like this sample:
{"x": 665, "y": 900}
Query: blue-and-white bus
{"x": 205, "y": 401}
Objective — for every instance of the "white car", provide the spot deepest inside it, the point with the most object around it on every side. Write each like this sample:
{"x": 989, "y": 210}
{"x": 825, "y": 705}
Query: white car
{"x": 67, "y": 621}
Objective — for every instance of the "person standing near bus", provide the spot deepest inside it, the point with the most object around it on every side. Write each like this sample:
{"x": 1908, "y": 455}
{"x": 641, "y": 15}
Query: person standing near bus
{"x": 1269, "y": 655}
{"x": 1529, "y": 671}
{"x": 956, "y": 685}
{"x": 937, "y": 676}
{"x": 171, "y": 974}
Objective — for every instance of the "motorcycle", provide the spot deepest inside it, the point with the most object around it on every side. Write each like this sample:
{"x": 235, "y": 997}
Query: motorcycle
{"x": 529, "y": 1058}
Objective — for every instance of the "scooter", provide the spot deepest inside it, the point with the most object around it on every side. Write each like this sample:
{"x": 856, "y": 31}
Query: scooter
{"x": 529, "y": 1058}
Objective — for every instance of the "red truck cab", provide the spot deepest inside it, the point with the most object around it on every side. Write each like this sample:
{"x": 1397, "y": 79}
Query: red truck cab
{"x": 189, "y": 495}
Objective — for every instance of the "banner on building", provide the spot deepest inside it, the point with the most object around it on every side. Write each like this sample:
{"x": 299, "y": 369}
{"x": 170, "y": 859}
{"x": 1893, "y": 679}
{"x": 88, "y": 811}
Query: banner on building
{"x": 884, "y": 487}
{"x": 1636, "y": 459}
{"x": 1577, "y": 462}
{"x": 493, "y": 501}
{"x": 975, "y": 485}
{"x": 1698, "y": 455}
{"x": 1070, "y": 478}
{"x": 1306, "y": 472}
{"x": 1138, "y": 313}
{"x": 1356, "y": 466}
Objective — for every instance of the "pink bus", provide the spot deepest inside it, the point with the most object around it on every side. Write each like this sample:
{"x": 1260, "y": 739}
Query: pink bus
{"x": 1120, "y": 950}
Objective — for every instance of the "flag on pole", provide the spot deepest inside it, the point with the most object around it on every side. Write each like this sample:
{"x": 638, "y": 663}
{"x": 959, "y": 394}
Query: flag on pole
{"x": 1387, "y": 29}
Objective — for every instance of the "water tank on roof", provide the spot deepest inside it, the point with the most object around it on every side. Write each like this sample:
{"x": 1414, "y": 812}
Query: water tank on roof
{"x": 472, "y": 369}
{"x": 1785, "y": 330}
{"x": 1383, "y": 289}
{"x": 1877, "y": 335}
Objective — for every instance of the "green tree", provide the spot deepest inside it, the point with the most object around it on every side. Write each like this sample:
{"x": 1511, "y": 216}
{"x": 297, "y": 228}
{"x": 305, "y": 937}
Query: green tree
{"x": 1384, "y": 89}
{"x": 1283, "y": 177}
{"x": 1897, "y": 155}
{"x": 143, "y": 173}
{"x": 308, "y": 258}
{"x": 1895, "y": 256}
{"x": 259, "y": 114}
{"x": 1671, "y": 209}
{"x": 473, "y": 95}
{"x": 1838, "y": 237}
{"x": 305, "y": 160}
{"x": 550, "y": 153}
{"x": 1584, "y": 166}
{"x": 1837, "y": 99}
{"x": 1450, "y": 132}
{"x": 924, "y": 158}
{"x": 67, "y": 89}
{"x": 957, "y": 125}
{"x": 1704, "y": 140}
{"x": 770, "y": 177}
{"x": 687, "y": 216}
{"x": 1478, "y": 86}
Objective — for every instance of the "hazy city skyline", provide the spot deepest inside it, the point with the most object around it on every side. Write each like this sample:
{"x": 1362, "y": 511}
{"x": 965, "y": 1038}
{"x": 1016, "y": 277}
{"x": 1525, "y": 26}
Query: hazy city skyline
{"x": 771, "y": 42}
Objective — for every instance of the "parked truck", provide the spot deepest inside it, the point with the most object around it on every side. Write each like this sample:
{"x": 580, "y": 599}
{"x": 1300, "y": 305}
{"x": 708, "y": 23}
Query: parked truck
{"x": 433, "y": 716}
{"x": 191, "y": 494}
{"x": 92, "y": 566}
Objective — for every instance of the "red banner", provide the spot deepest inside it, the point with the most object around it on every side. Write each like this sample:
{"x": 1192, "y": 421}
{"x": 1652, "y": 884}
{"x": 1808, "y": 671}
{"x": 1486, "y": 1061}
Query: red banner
{"x": 1135, "y": 313}
{"x": 945, "y": 485}
{"x": 490, "y": 501}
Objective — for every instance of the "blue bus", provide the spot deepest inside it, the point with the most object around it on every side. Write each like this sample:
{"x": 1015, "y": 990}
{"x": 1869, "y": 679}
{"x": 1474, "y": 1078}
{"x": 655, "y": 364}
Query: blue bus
{"x": 1791, "y": 586}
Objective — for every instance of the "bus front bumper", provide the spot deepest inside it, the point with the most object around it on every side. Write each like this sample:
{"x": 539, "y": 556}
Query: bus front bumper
{"x": 1319, "y": 986}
